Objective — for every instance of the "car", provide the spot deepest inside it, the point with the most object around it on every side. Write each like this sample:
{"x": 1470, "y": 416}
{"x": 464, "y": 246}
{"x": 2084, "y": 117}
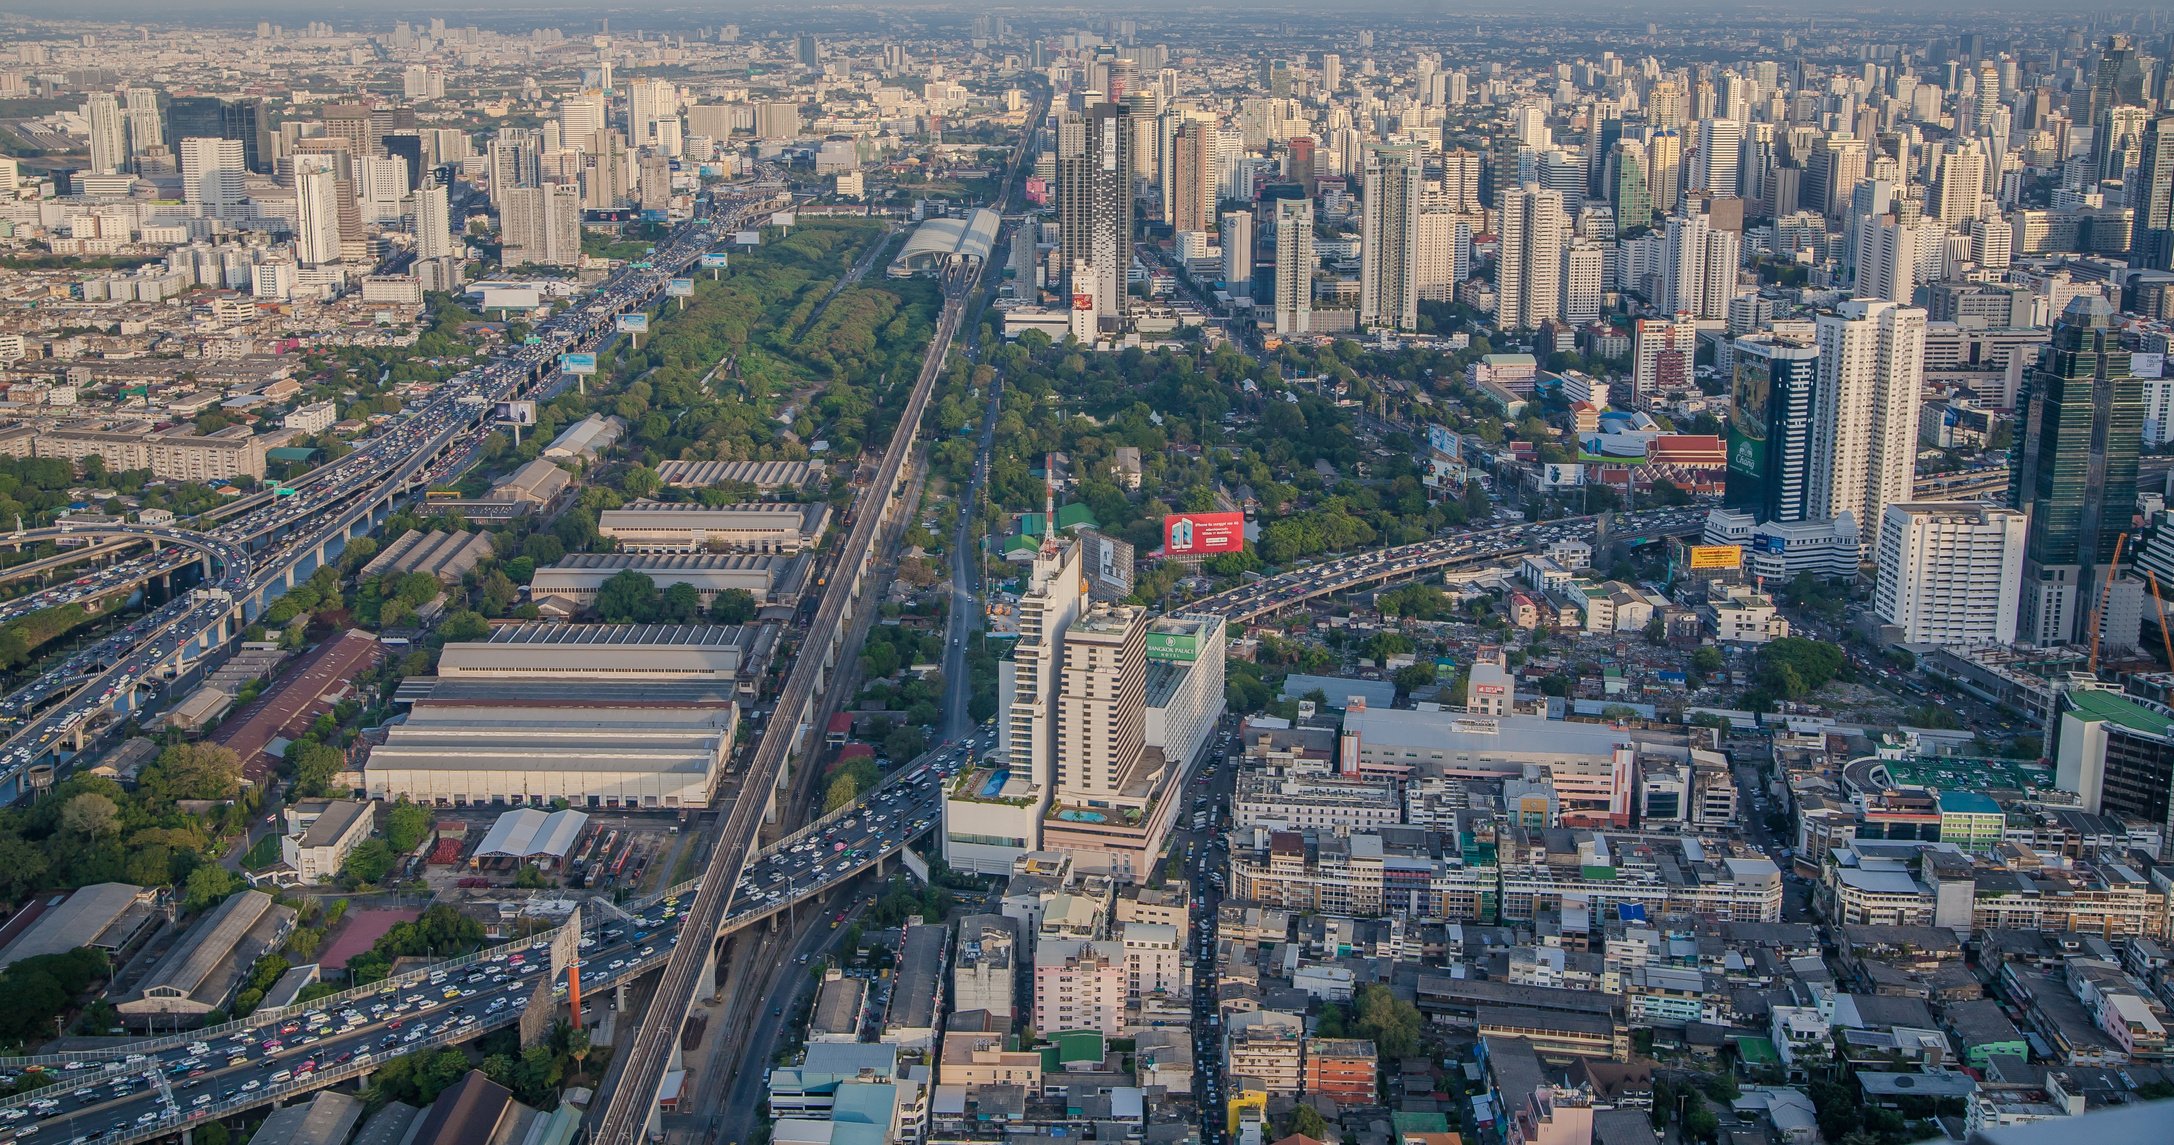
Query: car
{"x": 252, "y": 1085}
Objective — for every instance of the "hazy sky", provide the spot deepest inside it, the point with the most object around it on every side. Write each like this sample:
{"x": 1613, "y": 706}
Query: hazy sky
{"x": 372, "y": 14}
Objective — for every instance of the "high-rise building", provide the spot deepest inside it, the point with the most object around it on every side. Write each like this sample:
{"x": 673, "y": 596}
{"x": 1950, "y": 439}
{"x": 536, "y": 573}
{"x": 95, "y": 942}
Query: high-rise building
{"x": 1663, "y": 351}
{"x": 2153, "y": 245}
{"x": 1191, "y": 176}
{"x": 1664, "y": 171}
{"x": 1864, "y": 423}
{"x": 1442, "y": 248}
{"x": 1530, "y": 258}
{"x": 109, "y": 133}
{"x": 1461, "y": 180}
{"x": 1836, "y": 166}
{"x": 1698, "y": 272}
{"x": 1295, "y": 263}
{"x": 1962, "y": 184}
{"x": 1720, "y": 156}
{"x": 541, "y": 226}
{"x": 208, "y": 117}
{"x": 1585, "y": 280}
{"x": 1770, "y": 426}
{"x": 1630, "y": 188}
{"x": 212, "y": 174}
{"x": 140, "y": 111}
{"x": 1950, "y": 573}
{"x": 515, "y": 160}
{"x": 317, "y": 210}
{"x": 434, "y": 224}
{"x": 647, "y": 102}
{"x": 1389, "y": 226}
{"x": 1094, "y": 202}
{"x": 2073, "y": 472}
{"x": 1047, "y": 608}
{"x": 1238, "y": 253}
{"x": 1102, "y": 704}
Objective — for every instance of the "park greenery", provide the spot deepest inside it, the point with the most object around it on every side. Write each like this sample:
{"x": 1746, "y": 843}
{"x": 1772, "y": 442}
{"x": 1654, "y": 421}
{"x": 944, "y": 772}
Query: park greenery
{"x": 90, "y": 829}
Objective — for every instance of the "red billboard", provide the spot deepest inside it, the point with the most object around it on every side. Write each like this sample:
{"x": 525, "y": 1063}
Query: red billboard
{"x": 1203, "y": 534}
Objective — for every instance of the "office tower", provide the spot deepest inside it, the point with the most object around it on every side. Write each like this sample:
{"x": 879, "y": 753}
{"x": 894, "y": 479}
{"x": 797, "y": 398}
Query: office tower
{"x": 1332, "y": 71}
{"x": 1585, "y": 278}
{"x": 1992, "y": 242}
{"x": 109, "y": 133}
{"x": 1664, "y": 171}
{"x": 1101, "y": 704}
{"x": 1191, "y": 172}
{"x": 1836, "y": 166}
{"x": 1950, "y": 573}
{"x": 808, "y": 50}
{"x": 515, "y": 160}
{"x": 206, "y": 117}
{"x": 140, "y": 110}
{"x": 1529, "y": 260}
{"x": 1564, "y": 173}
{"x": 1698, "y": 271}
{"x": 1294, "y": 266}
{"x": 1094, "y": 202}
{"x": 541, "y": 225}
{"x": 775, "y": 120}
{"x": 1667, "y": 106}
{"x": 1233, "y": 167}
{"x": 408, "y": 148}
{"x": 1442, "y": 248}
{"x": 1720, "y": 154}
{"x": 1864, "y": 425}
{"x": 2117, "y": 81}
{"x": 1632, "y": 199}
{"x": 647, "y": 102}
{"x": 1663, "y": 351}
{"x": 1770, "y": 426}
{"x": 1962, "y": 184}
{"x": 352, "y": 122}
{"x": 382, "y": 182}
{"x": 1461, "y": 181}
{"x": 317, "y": 210}
{"x": 2153, "y": 244}
{"x": 212, "y": 173}
{"x": 434, "y": 224}
{"x": 2073, "y": 472}
{"x": 1238, "y": 253}
{"x": 1047, "y": 608}
{"x": 2120, "y": 132}
{"x": 581, "y": 119}
{"x": 1389, "y": 225}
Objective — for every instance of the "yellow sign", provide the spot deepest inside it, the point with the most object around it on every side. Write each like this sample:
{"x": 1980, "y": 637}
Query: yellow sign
{"x": 1716, "y": 557}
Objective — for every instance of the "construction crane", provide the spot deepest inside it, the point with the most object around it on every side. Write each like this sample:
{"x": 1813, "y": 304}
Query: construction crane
{"x": 2165, "y": 637}
{"x": 2106, "y": 593}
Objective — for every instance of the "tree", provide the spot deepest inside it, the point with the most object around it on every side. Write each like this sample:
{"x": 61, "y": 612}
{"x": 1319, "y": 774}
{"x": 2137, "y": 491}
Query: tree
{"x": 406, "y": 826}
{"x": 91, "y": 815}
{"x": 1707, "y": 660}
{"x": 464, "y": 625}
{"x": 314, "y": 764}
{"x": 628, "y": 597}
{"x": 369, "y": 862}
{"x": 732, "y": 606}
{"x": 1392, "y": 1023}
{"x": 22, "y": 868}
{"x": 1794, "y": 667}
{"x": 209, "y": 885}
{"x": 192, "y": 771}
{"x": 842, "y": 790}
{"x": 1308, "y": 1121}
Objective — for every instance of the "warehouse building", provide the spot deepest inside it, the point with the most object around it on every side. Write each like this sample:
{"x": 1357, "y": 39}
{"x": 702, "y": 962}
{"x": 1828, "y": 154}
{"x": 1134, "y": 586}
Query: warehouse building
{"x": 762, "y": 476}
{"x": 615, "y": 652}
{"x": 771, "y": 578}
{"x": 585, "y": 440}
{"x": 202, "y": 971}
{"x": 447, "y": 556}
{"x": 526, "y": 833}
{"x": 107, "y": 916}
{"x": 688, "y": 527}
{"x": 593, "y": 742}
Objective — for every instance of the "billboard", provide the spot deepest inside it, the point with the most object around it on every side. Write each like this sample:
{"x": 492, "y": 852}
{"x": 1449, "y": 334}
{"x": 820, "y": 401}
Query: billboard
{"x": 583, "y": 364}
{"x": 679, "y": 288}
{"x": 1203, "y": 534}
{"x": 518, "y": 412}
{"x": 747, "y": 238}
{"x": 2147, "y": 365}
{"x": 1443, "y": 440}
{"x": 1180, "y": 646}
{"x": 1708, "y": 557}
{"x": 1562, "y": 475}
{"x": 634, "y": 323}
{"x": 1107, "y": 562}
{"x": 715, "y": 260}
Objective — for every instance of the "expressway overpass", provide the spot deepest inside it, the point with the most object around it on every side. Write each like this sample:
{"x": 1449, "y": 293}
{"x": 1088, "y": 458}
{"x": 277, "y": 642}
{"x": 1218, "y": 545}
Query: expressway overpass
{"x": 286, "y": 538}
{"x": 654, "y": 1047}
{"x": 1342, "y": 574}
{"x": 157, "y": 1086}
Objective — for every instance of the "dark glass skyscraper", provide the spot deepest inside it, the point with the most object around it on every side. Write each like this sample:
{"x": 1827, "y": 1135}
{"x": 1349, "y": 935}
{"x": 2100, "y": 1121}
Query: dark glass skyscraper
{"x": 209, "y": 117}
{"x": 1770, "y": 427}
{"x": 2074, "y": 470}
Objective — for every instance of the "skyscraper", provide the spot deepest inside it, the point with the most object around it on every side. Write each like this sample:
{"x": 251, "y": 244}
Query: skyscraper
{"x": 1950, "y": 573}
{"x": 1770, "y": 426}
{"x": 541, "y": 225}
{"x": 1094, "y": 202}
{"x": 109, "y": 132}
{"x": 1698, "y": 274}
{"x": 1584, "y": 280}
{"x": 208, "y": 117}
{"x": 1962, "y": 183}
{"x": 317, "y": 210}
{"x": 1662, "y": 353}
{"x": 1238, "y": 253}
{"x": 2154, "y": 192}
{"x": 1294, "y": 265}
{"x": 1864, "y": 424}
{"x": 1442, "y": 247}
{"x": 1101, "y": 704}
{"x": 1389, "y": 226}
{"x": 212, "y": 176}
{"x": 1461, "y": 181}
{"x": 1190, "y": 175}
{"x": 1720, "y": 154}
{"x": 433, "y": 224}
{"x": 2074, "y": 470}
{"x": 1529, "y": 263}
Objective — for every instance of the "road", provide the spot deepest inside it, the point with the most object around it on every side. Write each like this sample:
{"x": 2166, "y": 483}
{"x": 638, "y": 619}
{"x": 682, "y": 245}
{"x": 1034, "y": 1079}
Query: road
{"x": 624, "y": 1117}
{"x": 1341, "y": 574}
{"x": 966, "y": 600}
